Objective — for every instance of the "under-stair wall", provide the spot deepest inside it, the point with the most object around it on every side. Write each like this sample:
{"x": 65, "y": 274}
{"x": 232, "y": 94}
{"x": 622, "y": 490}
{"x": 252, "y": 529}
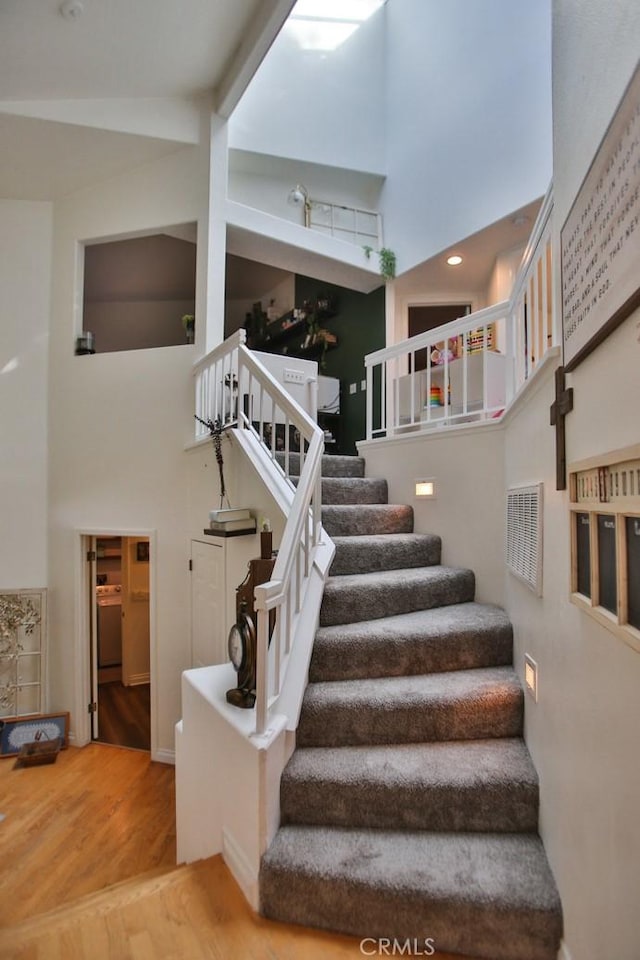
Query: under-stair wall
{"x": 467, "y": 511}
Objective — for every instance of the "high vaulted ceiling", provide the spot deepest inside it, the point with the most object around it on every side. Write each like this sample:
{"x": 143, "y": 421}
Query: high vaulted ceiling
{"x": 110, "y": 52}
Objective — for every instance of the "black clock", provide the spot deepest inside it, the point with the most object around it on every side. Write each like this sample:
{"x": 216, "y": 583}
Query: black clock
{"x": 242, "y": 653}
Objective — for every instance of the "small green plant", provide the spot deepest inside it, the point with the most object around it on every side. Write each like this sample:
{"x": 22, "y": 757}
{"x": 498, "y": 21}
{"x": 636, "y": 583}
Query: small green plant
{"x": 387, "y": 263}
{"x": 387, "y": 260}
{"x": 189, "y": 325}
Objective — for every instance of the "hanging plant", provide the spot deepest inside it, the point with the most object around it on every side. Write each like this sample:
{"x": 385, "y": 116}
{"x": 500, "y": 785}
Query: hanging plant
{"x": 386, "y": 259}
{"x": 216, "y": 428}
{"x": 387, "y": 263}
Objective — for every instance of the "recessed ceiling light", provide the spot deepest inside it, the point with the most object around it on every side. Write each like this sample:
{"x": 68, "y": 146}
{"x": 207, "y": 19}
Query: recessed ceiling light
{"x": 454, "y": 261}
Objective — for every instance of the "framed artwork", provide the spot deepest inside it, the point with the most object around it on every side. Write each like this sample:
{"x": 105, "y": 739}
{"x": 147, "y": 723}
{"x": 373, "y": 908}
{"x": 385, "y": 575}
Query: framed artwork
{"x": 600, "y": 239}
{"x": 17, "y": 731}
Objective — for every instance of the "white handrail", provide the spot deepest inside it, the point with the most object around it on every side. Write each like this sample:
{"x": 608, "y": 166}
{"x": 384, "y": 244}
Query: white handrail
{"x": 513, "y": 337}
{"x": 231, "y": 385}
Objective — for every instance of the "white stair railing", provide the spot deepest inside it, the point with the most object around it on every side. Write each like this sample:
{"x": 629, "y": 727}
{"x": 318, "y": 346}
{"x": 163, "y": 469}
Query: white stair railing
{"x": 445, "y": 376}
{"x": 232, "y": 386}
{"x": 468, "y": 370}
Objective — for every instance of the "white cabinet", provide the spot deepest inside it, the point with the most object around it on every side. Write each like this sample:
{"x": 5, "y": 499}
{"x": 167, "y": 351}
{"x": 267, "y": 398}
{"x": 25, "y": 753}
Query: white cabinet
{"x": 218, "y": 566}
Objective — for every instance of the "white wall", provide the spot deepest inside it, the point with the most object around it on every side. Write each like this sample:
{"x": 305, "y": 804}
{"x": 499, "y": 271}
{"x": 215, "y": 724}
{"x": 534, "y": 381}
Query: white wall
{"x": 583, "y": 731}
{"x": 503, "y": 275}
{"x": 468, "y": 512}
{"x": 25, "y": 275}
{"x": 316, "y": 106}
{"x": 118, "y": 424}
{"x": 265, "y": 182}
{"x": 468, "y": 118}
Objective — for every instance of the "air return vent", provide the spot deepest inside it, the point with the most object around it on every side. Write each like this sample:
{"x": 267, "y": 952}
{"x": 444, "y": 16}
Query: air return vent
{"x": 524, "y": 535}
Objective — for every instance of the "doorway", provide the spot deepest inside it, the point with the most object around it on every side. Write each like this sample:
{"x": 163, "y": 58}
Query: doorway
{"x": 423, "y": 317}
{"x": 120, "y": 705}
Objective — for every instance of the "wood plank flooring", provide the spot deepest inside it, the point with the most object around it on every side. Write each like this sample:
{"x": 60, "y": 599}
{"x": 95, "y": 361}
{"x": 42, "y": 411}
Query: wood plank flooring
{"x": 101, "y": 816}
{"x": 97, "y": 816}
{"x": 124, "y": 715}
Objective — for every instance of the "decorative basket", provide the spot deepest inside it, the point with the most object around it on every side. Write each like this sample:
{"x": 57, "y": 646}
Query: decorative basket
{"x": 38, "y": 752}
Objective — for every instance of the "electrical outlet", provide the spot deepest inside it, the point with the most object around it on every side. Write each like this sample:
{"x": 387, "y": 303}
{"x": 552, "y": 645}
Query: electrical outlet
{"x": 353, "y": 387}
{"x": 294, "y": 376}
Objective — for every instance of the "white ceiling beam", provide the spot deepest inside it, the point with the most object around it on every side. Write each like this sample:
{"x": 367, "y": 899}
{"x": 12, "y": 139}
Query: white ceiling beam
{"x": 265, "y": 26}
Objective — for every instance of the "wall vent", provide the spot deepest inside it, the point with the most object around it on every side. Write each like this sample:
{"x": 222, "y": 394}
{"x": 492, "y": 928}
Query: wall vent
{"x": 524, "y": 535}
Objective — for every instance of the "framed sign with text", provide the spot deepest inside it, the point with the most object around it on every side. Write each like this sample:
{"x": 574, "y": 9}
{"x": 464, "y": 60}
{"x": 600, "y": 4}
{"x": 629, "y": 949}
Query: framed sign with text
{"x": 600, "y": 240}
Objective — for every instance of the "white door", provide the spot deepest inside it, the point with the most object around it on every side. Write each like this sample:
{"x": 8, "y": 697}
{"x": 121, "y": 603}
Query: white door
{"x": 208, "y": 614}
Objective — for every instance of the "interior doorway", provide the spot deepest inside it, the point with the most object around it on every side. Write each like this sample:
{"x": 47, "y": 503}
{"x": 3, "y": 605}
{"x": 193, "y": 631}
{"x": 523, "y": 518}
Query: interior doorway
{"x": 423, "y": 317}
{"x": 120, "y": 658}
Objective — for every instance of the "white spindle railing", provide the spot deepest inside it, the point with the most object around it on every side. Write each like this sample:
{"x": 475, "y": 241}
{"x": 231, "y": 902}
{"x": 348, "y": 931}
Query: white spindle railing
{"x": 231, "y": 385}
{"x": 468, "y": 370}
{"x": 449, "y": 375}
{"x": 531, "y": 304}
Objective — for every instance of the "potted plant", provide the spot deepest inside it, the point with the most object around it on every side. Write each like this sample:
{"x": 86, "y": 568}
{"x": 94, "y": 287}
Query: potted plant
{"x": 189, "y": 326}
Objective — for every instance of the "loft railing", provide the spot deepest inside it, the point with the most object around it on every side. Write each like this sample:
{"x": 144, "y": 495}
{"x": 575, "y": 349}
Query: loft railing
{"x": 468, "y": 370}
{"x": 353, "y": 224}
{"x": 233, "y": 387}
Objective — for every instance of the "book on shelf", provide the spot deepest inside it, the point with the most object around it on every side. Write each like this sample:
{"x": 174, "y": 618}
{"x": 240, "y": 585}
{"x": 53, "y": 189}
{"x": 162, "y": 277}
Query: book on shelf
{"x": 226, "y": 526}
{"x": 228, "y": 513}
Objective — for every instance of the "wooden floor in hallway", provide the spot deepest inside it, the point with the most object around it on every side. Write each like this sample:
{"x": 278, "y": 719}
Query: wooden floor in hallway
{"x": 124, "y": 715}
{"x": 87, "y": 854}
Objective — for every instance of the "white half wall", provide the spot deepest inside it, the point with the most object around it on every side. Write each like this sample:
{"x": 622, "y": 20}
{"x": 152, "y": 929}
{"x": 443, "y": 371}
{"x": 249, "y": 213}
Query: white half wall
{"x": 25, "y": 277}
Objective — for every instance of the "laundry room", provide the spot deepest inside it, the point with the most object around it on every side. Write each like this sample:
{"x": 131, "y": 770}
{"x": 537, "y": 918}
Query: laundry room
{"x": 120, "y": 653}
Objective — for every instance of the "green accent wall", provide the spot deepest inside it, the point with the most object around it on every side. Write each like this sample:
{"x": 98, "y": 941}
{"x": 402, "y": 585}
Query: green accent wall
{"x": 359, "y": 325}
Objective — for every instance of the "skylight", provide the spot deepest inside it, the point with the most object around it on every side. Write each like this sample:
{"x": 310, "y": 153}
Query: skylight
{"x": 325, "y": 24}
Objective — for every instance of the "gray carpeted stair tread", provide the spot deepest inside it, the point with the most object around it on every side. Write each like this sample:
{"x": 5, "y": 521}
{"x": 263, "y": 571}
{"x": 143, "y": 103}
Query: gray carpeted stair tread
{"x": 477, "y": 785}
{"x": 353, "y": 490}
{"x": 370, "y": 596}
{"x": 463, "y": 705}
{"x": 453, "y": 637}
{"x": 484, "y": 895}
{"x": 346, "y": 520}
{"x": 332, "y": 466}
{"x": 385, "y": 551}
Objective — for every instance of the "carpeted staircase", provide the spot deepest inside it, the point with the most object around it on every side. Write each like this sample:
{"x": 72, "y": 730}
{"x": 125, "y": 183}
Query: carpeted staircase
{"x": 410, "y": 806}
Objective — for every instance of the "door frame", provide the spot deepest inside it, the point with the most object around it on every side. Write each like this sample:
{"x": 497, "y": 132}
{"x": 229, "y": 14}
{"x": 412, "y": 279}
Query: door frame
{"x": 83, "y": 612}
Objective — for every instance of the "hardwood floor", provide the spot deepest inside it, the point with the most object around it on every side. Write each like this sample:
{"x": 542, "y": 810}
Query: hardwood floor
{"x": 124, "y": 715}
{"x": 97, "y": 816}
{"x": 101, "y": 816}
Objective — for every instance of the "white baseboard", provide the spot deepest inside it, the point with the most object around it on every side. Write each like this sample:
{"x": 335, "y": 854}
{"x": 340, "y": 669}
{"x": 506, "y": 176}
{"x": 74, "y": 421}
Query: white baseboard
{"x": 563, "y": 952}
{"x": 164, "y": 756}
{"x": 243, "y": 874}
